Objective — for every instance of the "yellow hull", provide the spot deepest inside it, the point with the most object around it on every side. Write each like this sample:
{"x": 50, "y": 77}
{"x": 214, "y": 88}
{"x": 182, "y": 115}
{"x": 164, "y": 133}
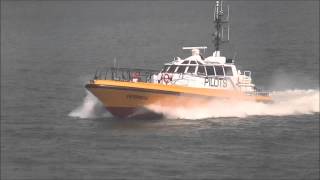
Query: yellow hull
{"x": 125, "y": 99}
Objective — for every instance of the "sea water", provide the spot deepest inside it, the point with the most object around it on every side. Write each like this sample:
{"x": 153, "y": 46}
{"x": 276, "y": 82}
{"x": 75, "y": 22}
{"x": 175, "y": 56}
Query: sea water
{"x": 51, "y": 128}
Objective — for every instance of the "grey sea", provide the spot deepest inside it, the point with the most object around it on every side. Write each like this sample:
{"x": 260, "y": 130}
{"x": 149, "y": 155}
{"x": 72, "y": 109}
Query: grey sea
{"x": 51, "y": 128}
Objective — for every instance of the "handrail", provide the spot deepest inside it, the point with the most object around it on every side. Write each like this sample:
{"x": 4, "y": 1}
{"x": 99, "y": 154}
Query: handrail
{"x": 124, "y": 74}
{"x": 146, "y": 75}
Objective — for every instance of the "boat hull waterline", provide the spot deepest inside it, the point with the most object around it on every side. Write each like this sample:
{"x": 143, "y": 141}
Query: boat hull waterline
{"x": 131, "y": 99}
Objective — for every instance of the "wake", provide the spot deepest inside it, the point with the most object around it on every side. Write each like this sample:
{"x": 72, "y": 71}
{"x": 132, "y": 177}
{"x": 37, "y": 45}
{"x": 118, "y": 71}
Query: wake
{"x": 288, "y": 102}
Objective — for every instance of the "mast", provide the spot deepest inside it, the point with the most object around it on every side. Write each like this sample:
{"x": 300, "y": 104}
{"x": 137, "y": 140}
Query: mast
{"x": 220, "y": 22}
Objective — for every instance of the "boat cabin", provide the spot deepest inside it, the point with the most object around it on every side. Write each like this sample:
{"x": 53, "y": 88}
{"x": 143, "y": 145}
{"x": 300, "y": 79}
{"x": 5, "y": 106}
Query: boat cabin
{"x": 198, "y": 68}
{"x": 212, "y": 72}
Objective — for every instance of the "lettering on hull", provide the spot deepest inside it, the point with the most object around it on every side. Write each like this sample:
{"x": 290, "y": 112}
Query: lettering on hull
{"x": 218, "y": 82}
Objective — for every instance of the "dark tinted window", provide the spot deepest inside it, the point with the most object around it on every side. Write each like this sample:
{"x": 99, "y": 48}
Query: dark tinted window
{"x": 228, "y": 71}
{"x": 219, "y": 70}
{"x": 185, "y": 62}
{"x": 193, "y": 62}
{"x": 165, "y": 68}
{"x": 201, "y": 70}
{"x": 191, "y": 69}
{"x": 172, "y": 69}
{"x": 181, "y": 69}
{"x": 210, "y": 70}
{"x": 229, "y": 61}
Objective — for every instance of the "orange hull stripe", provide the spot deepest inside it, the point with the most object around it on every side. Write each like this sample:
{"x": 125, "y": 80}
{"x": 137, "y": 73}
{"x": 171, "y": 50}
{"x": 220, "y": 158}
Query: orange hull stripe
{"x": 180, "y": 89}
{"x": 134, "y": 97}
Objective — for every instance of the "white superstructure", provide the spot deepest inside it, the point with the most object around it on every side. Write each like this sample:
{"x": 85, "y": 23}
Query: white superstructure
{"x": 215, "y": 71}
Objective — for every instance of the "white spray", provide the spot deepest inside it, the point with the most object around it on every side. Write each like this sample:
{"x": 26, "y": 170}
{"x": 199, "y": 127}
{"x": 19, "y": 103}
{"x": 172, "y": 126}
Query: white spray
{"x": 91, "y": 107}
{"x": 288, "y": 102}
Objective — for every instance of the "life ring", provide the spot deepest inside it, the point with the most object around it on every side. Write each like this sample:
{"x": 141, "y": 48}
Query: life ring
{"x": 166, "y": 78}
{"x": 136, "y": 75}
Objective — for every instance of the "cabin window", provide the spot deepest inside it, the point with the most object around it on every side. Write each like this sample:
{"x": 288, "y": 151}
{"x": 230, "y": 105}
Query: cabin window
{"x": 229, "y": 60}
{"x": 168, "y": 68}
{"x": 165, "y": 68}
{"x": 193, "y": 62}
{"x": 172, "y": 69}
{"x": 219, "y": 70}
{"x": 247, "y": 73}
{"x": 201, "y": 70}
{"x": 199, "y": 62}
{"x": 191, "y": 69}
{"x": 210, "y": 70}
{"x": 185, "y": 62}
{"x": 228, "y": 71}
{"x": 181, "y": 69}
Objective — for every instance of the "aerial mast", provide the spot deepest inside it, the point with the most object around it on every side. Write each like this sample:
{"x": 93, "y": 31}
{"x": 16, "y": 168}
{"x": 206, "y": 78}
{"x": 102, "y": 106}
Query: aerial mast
{"x": 220, "y": 22}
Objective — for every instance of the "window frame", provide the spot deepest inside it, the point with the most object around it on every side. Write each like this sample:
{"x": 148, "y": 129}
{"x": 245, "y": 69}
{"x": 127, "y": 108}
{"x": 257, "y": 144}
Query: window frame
{"x": 165, "y": 67}
{"x": 195, "y": 62}
{"x": 185, "y": 67}
{"x": 229, "y": 67}
{"x": 216, "y": 71}
{"x": 185, "y": 61}
{"x": 175, "y": 67}
{"x": 194, "y": 71}
{"x": 204, "y": 69}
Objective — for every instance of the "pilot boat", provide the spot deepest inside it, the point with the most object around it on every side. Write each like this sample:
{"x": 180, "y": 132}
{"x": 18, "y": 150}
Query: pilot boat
{"x": 190, "y": 82}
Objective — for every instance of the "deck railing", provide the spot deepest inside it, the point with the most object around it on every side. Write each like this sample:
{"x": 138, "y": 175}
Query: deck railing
{"x": 124, "y": 74}
{"x": 145, "y": 75}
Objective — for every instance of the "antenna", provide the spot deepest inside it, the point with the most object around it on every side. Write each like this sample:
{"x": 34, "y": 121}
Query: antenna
{"x": 221, "y": 10}
{"x": 222, "y": 29}
{"x": 196, "y": 47}
{"x": 114, "y": 62}
{"x": 220, "y": 21}
{"x": 228, "y": 32}
{"x": 228, "y": 12}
